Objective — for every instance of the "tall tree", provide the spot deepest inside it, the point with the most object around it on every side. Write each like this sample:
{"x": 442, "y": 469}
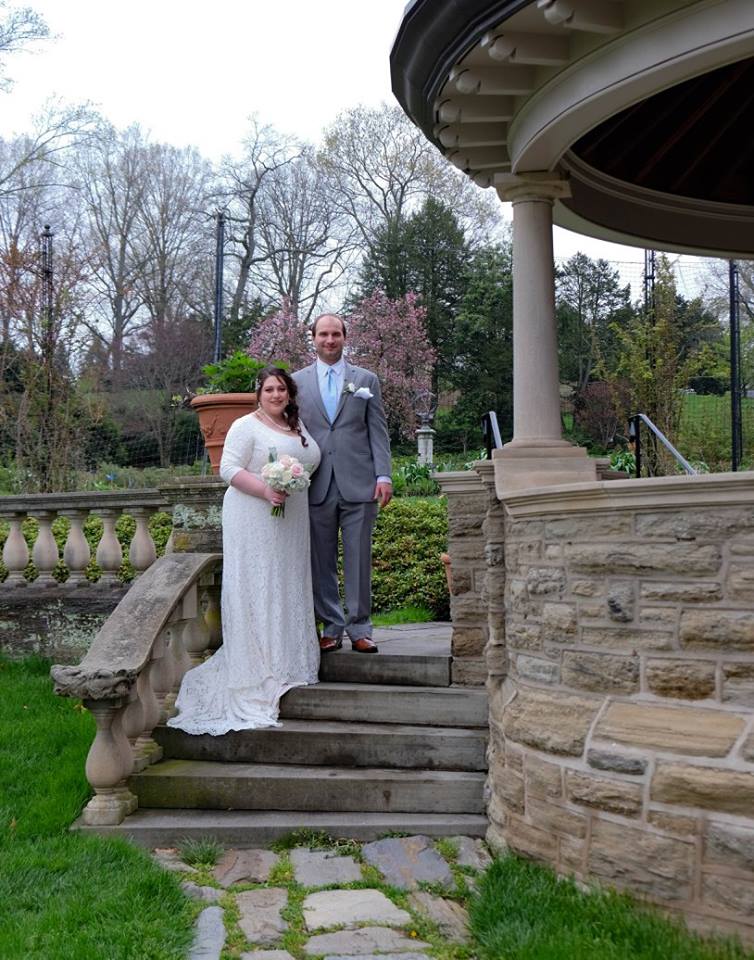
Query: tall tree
{"x": 389, "y": 337}
{"x": 19, "y": 28}
{"x": 590, "y": 299}
{"x": 482, "y": 374}
{"x": 382, "y": 169}
{"x": 306, "y": 242}
{"x": 424, "y": 254}
{"x": 113, "y": 177}
{"x": 241, "y": 190}
{"x": 655, "y": 364}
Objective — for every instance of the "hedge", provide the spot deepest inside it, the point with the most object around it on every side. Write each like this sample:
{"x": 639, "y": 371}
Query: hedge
{"x": 410, "y": 535}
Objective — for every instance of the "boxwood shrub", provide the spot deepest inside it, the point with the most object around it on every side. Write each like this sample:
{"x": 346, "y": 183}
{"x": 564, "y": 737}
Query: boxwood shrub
{"x": 410, "y": 535}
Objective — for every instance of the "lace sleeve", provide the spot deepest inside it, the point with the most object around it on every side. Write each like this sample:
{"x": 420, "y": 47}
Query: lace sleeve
{"x": 238, "y": 448}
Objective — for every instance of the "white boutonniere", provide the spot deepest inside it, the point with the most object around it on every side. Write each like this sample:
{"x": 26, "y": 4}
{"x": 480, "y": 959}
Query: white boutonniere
{"x": 363, "y": 392}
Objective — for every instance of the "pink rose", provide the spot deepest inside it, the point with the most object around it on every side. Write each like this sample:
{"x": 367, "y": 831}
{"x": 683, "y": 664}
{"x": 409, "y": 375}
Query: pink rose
{"x": 297, "y": 470}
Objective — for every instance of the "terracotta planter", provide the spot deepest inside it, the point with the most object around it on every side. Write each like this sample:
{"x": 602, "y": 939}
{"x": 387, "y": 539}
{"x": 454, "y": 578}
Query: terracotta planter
{"x": 216, "y": 412}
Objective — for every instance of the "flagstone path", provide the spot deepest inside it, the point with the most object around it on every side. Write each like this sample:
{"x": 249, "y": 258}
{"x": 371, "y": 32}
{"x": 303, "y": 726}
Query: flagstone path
{"x": 259, "y": 898}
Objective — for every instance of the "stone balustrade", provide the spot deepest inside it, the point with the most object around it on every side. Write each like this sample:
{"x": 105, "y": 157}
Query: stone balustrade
{"x": 76, "y": 554}
{"x": 622, "y": 689}
{"x": 130, "y": 677}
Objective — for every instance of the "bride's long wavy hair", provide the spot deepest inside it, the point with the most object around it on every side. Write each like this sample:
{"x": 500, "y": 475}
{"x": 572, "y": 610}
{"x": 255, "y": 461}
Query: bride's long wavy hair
{"x": 291, "y": 410}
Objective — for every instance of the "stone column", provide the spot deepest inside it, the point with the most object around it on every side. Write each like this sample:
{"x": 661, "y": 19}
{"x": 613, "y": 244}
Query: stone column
{"x": 537, "y": 455}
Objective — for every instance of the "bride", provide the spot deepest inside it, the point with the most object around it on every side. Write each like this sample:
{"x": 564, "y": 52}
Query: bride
{"x": 269, "y": 634}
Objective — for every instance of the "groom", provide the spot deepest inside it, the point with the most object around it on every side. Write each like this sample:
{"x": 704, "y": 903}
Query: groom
{"x": 342, "y": 408}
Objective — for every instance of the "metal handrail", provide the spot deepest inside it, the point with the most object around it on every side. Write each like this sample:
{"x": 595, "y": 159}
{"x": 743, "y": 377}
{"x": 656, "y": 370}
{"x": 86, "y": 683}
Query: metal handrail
{"x": 634, "y": 432}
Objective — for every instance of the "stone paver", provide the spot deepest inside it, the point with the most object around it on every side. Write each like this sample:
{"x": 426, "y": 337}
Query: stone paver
{"x": 260, "y": 917}
{"x": 407, "y": 861}
{"x": 168, "y": 859}
{"x": 363, "y": 941}
{"x": 472, "y": 852}
{"x": 245, "y": 866}
{"x": 378, "y": 956}
{"x": 318, "y": 868}
{"x": 207, "y": 894}
{"x": 267, "y": 955}
{"x": 449, "y": 916}
{"x": 210, "y": 935}
{"x": 346, "y": 908}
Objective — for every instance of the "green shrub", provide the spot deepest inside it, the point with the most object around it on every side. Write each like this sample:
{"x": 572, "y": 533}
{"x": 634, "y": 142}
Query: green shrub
{"x": 409, "y": 536}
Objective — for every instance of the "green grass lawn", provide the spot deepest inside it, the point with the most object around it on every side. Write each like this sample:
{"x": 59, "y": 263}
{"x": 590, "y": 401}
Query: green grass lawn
{"x": 410, "y": 614}
{"x": 66, "y": 896}
{"x": 524, "y": 912}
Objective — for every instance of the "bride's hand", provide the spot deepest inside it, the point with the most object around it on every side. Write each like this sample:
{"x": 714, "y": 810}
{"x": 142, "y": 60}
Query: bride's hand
{"x": 275, "y": 497}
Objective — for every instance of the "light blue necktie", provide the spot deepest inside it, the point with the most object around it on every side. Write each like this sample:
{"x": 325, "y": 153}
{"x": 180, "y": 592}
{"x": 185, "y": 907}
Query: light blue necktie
{"x": 331, "y": 395}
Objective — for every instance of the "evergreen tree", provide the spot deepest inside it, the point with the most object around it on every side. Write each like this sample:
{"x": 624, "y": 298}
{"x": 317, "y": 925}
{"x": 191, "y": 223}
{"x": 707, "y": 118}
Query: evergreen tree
{"x": 423, "y": 254}
{"x": 482, "y": 372}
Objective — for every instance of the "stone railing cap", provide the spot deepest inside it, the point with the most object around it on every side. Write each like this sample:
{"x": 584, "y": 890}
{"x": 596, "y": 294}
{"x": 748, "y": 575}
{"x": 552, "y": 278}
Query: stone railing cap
{"x": 655, "y": 493}
{"x": 122, "y": 646}
{"x": 86, "y": 500}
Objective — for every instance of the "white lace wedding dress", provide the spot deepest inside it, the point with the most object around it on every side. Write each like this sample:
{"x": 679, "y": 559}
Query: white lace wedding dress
{"x": 269, "y": 635}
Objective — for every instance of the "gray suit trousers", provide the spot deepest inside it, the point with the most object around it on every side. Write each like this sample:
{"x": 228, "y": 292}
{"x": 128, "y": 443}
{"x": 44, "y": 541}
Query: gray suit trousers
{"x": 356, "y": 521}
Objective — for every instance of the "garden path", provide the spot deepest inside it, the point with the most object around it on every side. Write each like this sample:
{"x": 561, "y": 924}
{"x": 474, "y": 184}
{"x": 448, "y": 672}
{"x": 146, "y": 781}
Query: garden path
{"x": 392, "y": 899}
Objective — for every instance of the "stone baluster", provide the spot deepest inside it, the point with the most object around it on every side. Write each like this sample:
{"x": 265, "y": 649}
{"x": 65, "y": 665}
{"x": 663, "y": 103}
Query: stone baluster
{"x": 76, "y": 552}
{"x": 142, "y": 552}
{"x": 213, "y": 613}
{"x": 189, "y": 643}
{"x": 133, "y": 722}
{"x": 162, "y": 673}
{"x": 109, "y": 553}
{"x": 108, "y": 765}
{"x": 16, "y": 551}
{"x": 44, "y": 554}
{"x": 195, "y": 640}
{"x": 145, "y": 745}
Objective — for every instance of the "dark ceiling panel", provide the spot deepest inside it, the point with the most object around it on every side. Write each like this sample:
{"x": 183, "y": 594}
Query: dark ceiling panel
{"x": 695, "y": 139}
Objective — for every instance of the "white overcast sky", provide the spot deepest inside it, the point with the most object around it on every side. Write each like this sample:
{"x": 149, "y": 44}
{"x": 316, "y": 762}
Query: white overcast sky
{"x": 192, "y": 72}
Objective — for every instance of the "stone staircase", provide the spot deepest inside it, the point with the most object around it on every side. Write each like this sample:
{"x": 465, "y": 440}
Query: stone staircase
{"x": 382, "y": 744}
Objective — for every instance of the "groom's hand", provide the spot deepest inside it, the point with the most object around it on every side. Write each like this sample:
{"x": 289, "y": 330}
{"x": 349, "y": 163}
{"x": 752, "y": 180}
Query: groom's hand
{"x": 383, "y": 493}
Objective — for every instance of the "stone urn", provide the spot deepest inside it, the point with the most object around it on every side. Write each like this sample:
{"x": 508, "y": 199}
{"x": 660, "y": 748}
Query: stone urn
{"x": 216, "y": 412}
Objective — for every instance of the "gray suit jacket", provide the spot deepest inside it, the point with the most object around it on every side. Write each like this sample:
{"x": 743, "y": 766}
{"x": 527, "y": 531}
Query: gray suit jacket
{"x": 356, "y": 447}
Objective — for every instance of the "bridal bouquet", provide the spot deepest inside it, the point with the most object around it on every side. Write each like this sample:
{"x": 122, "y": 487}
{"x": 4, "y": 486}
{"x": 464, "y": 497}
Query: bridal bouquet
{"x": 284, "y": 475}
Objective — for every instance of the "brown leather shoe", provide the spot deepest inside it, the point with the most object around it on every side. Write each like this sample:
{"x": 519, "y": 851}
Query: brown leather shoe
{"x": 328, "y": 644}
{"x": 364, "y": 645}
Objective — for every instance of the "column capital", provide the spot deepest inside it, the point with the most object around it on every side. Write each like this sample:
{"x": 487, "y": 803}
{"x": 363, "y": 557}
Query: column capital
{"x": 532, "y": 185}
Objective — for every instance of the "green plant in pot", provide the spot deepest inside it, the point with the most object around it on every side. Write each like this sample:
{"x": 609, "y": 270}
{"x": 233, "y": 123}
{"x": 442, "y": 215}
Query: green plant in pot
{"x": 226, "y": 396}
{"x": 234, "y": 374}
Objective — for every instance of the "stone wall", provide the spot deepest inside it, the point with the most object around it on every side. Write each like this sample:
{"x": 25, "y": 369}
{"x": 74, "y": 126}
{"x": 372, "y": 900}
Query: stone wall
{"x": 622, "y": 694}
{"x": 469, "y": 500}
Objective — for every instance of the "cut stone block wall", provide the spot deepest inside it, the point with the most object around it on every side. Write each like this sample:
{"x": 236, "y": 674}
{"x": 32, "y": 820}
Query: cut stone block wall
{"x": 469, "y": 502}
{"x": 622, "y": 693}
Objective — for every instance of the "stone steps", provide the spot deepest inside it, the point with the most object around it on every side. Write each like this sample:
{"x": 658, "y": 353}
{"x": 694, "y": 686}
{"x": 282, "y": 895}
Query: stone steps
{"x": 344, "y": 666}
{"x": 209, "y": 785}
{"x": 336, "y": 744}
{"x": 382, "y": 744}
{"x": 386, "y": 703}
{"x": 245, "y": 829}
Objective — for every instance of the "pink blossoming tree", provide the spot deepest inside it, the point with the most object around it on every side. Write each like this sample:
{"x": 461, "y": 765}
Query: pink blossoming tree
{"x": 282, "y": 337}
{"x": 389, "y": 337}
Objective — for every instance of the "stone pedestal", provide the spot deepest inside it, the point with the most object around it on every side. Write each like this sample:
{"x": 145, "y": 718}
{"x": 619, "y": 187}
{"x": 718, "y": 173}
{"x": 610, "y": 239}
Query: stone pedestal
{"x": 196, "y": 505}
{"x": 425, "y": 444}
